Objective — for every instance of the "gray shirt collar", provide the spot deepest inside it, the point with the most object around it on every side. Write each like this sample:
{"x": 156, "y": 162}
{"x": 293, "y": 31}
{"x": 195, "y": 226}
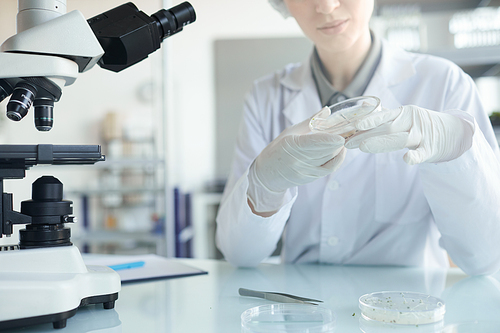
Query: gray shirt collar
{"x": 328, "y": 95}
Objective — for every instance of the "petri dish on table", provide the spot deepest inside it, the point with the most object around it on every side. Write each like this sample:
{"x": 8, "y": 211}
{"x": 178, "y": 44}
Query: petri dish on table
{"x": 399, "y": 307}
{"x": 372, "y": 326}
{"x": 345, "y": 114}
{"x": 288, "y": 317}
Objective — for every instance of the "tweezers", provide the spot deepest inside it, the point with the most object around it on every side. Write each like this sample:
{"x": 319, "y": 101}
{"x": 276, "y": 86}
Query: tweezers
{"x": 278, "y": 297}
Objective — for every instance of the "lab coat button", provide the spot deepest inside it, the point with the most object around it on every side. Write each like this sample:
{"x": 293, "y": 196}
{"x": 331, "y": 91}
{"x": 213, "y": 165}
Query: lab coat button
{"x": 333, "y": 185}
{"x": 333, "y": 241}
{"x": 340, "y": 98}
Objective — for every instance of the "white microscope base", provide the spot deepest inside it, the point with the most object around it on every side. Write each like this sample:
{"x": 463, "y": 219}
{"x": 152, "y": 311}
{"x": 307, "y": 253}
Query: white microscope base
{"x": 49, "y": 284}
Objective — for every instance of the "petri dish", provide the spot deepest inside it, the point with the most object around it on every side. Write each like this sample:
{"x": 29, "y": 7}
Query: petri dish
{"x": 344, "y": 115}
{"x": 372, "y": 326}
{"x": 399, "y": 307}
{"x": 288, "y": 317}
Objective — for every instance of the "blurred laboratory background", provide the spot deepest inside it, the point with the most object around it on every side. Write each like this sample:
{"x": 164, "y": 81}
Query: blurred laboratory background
{"x": 168, "y": 124}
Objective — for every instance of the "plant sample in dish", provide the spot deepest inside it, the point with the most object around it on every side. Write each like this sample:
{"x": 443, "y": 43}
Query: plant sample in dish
{"x": 344, "y": 115}
{"x": 407, "y": 308}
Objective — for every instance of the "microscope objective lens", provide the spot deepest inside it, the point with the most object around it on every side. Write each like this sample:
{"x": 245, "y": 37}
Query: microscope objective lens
{"x": 44, "y": 114}
{"x": 21, "y": 100}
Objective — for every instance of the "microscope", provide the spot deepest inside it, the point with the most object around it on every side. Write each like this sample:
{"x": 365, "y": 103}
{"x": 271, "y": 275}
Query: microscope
{"x": 43, "y": 279}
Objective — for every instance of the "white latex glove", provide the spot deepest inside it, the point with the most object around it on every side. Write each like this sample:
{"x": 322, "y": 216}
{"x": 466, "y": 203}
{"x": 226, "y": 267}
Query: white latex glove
{"x": 431, "y": 136}
{"x": 295, "y": 157}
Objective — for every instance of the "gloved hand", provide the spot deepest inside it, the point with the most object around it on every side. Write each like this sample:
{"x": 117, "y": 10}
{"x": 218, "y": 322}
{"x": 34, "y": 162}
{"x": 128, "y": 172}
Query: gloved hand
{"x": 295, "y": 157}
{"x": 431, "y": 136}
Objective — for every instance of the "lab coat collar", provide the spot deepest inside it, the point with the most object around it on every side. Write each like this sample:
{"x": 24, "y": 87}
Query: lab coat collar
{"x": 298, "y": 78}
{"x": 395, "y": 67}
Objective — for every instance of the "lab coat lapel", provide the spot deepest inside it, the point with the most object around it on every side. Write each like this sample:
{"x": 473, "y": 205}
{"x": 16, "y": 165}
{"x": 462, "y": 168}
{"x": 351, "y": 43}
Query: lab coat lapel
{"x": 395, "y": 67}
{"x": 378, "y": 87}
{"x": 300, "y": 99}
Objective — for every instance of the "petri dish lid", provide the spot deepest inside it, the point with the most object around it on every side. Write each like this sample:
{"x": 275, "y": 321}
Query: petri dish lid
{"x": 400, "y": 307}
{"x": 288, "y": 317}
{"x": 344, "y": 114}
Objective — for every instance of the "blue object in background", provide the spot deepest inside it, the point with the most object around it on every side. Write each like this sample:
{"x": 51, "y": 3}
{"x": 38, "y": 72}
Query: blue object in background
{"x": 129, "y": 265}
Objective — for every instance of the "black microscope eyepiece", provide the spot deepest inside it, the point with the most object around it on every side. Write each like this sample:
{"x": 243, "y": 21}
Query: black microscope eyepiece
{"x": 171, "y": 21}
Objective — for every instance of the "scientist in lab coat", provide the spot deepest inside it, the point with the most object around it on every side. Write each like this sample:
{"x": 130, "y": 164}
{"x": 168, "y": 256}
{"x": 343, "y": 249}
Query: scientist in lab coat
{"x": 421, "y": 181}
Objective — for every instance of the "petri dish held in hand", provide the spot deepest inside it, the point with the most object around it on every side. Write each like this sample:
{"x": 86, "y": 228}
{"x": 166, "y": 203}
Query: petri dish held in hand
{"x": 345, "y": 114}
{"x": 398, "y": 307}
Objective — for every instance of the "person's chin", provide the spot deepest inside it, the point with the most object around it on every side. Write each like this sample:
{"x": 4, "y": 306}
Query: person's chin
{"x": 335, "y": 44}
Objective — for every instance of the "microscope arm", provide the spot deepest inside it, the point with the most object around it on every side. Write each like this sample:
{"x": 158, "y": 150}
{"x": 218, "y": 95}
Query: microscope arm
{"x": 51, "y": 50}
{"x": 68, "y": 36}
{"x": 17, "y": 65}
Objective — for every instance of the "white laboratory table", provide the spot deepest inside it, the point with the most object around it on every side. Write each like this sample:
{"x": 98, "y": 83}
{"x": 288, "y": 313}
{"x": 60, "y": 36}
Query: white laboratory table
{"x": 211, "y": 304}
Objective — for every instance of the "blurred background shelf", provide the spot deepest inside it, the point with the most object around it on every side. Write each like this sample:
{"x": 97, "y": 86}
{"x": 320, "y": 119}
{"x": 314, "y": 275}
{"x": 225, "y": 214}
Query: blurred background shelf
{"x": 120, "y": 242}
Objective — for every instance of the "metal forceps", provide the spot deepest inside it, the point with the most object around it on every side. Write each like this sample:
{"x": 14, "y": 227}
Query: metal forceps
{"x": 278, "y": 297}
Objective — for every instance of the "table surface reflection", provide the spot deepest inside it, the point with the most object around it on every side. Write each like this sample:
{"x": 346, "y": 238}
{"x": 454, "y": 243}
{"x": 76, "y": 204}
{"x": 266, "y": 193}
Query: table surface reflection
{"x": 210, "y": 303}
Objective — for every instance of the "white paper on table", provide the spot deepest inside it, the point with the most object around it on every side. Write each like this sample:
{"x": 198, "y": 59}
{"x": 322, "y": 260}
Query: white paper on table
{"x": 155, "y": 267}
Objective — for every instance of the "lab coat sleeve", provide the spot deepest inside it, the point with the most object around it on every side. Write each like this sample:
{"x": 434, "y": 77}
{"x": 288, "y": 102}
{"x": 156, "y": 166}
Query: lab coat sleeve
{"x": 464, "y": 198}
{"x": 464, "y": 194}
{"x": 245, "y": 239}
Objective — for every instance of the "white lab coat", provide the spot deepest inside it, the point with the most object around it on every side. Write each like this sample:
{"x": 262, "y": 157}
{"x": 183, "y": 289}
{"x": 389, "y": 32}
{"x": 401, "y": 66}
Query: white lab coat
{"x": 376, "y": 209}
